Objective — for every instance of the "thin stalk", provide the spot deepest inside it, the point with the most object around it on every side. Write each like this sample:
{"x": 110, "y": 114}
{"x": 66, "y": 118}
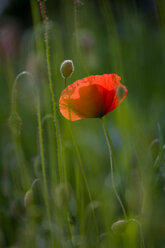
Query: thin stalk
{"x": 69, "y": 225}
{"x": 65, "y": 82}
{"x": 43, "y": 168}
{"x": 54, "y": 112}
{"x": 47, "y": 50}
{"x": 52, "y": 146}
{"x": 140, "y": 231}
{"x": 40, "y": 49}
{"x": 108, "y": 140}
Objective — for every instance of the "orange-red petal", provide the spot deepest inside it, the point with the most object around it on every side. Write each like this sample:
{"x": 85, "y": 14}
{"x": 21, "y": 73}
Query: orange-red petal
{"x": 92, "y": 97}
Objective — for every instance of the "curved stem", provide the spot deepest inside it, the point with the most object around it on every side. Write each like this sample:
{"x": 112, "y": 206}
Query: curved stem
{"x": 140, "y": 230}
{"x": 15, "y": 122}
{"x": 108, "y": 140}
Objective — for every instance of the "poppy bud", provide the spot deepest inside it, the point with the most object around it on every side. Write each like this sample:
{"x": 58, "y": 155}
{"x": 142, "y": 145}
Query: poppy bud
{"x": 67, "y": 68}
{"x": 119, "y": 226}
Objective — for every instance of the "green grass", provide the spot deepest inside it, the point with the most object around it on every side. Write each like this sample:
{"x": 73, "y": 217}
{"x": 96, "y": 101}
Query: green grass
{"x": 57, "y": 187}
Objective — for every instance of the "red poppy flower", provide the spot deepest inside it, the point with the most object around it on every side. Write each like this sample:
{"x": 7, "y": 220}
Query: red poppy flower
{"x": 92, "y": 97}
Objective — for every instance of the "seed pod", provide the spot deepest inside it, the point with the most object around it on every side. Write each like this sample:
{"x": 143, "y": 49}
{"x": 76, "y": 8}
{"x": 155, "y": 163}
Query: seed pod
{"x": 67, "y": 68}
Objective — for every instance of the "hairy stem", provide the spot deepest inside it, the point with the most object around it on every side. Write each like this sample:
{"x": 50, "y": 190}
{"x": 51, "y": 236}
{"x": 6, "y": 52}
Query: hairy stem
{"x": 47, "y": 50}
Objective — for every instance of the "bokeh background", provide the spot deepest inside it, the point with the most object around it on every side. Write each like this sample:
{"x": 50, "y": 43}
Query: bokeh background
{"x": 115, "y": 36}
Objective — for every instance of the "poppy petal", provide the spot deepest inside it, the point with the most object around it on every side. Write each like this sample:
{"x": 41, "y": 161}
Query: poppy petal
{"x": 91, "y": 97}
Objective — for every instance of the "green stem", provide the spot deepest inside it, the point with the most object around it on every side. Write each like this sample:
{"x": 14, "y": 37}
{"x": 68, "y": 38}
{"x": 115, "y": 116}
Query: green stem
{"x": 43, "y": 167}
{"x": 140, "y": 230}
{"x": 59, "y": 150}
{"x": 108, "y": 140}
{"x": 54, "y": 113}
{"x": 65, "y": 82}
{"x": 69, "y": 225}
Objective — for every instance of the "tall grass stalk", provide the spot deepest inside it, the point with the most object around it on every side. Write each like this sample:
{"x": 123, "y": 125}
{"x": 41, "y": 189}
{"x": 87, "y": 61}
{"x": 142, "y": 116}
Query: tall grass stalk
{"x": 48, "y": 119}
{"x": 39, "y": 42}
{"x": 108, "y": 140}
{"x": 47, "y": 50}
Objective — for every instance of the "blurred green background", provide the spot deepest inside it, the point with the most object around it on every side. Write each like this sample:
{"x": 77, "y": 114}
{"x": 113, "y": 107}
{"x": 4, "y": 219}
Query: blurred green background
{"x": 122, "y": 37}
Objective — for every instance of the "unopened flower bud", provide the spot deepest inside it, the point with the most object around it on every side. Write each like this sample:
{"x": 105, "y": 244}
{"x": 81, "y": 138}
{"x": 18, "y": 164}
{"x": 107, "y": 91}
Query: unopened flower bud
{"x": 67, "y": 68}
